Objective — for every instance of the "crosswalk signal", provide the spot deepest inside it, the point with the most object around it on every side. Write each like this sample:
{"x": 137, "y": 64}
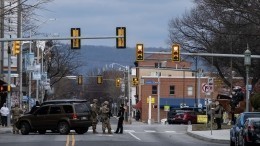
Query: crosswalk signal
{"x": 75, "y": 43}
{"x": 139, "y": 52}
{"x": 135, "y": 81}
{"x": 117, "y": 82}
{"x": 80, "y": 79}
{"x": 16, "y": 47}
{"x": 99, "y": 79}
{"x": 121, "y": 42}
{"x": 176, "y": 53}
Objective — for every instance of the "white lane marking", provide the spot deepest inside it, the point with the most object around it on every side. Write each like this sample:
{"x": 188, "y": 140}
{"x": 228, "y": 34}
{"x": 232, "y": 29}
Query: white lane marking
{"x": 149, "y": 131}
{"x": 170, "y": 131}
{"x": 134, "y": 136}
{"x": 129, "y": 131}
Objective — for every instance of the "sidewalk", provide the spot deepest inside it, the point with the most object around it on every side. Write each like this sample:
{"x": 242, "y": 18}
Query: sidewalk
{"x": 216, "y": 136}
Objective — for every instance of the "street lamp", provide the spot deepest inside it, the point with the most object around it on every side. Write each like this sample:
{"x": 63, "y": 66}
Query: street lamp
{"x": 247, "y": 63}
{"x": 127, "y": 70}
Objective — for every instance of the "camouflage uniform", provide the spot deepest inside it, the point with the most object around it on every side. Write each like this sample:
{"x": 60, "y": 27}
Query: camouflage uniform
{"x": 105, "y": 117}
{"x": 16, "y": 113}
{"x": 95, "y": 110}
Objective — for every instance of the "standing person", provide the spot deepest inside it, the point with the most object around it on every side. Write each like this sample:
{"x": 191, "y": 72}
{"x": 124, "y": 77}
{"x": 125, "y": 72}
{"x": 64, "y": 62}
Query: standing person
{"x": 218, "y": 114}
{"x": 95, "y": 110}
{"x": 121, "y": 119}
{"x": 138, "y": 114}
{"x": 105, "y": 118}
{"x": 16, "y": 113}
{"x": 210, "y": 110}
{"x": 4, "y": 113}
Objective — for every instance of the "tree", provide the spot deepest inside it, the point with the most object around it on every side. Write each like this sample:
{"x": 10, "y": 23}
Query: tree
{"x": 61, "y": 61}
{"x": 255, "y": 101}
{"x": 225, "y": 27}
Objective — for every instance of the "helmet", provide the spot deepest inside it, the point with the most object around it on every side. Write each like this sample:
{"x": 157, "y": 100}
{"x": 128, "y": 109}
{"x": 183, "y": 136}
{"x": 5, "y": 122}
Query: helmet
{"x": 106, "y": 102}
{"x": 95, "y": 100}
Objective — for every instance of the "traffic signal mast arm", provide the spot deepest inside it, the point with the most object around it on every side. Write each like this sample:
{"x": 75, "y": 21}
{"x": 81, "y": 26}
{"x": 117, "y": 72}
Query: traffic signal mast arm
{"x": 57, "y": 38}
{"x": 205, "y": 54}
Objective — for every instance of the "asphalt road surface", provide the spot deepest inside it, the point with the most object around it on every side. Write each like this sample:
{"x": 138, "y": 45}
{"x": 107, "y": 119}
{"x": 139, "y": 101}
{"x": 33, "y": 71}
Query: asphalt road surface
{"x": 134, "y": 135}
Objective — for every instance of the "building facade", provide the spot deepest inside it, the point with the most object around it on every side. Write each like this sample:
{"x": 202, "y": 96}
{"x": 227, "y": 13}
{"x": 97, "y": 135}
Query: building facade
{"x": 172, "y": 84}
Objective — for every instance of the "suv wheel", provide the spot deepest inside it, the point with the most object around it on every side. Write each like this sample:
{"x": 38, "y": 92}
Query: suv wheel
{"x": 25, "y": 128}
{"x": 81, "y": 130}
{"x": 42, "y": 131}
{"x": 63, "y": 128}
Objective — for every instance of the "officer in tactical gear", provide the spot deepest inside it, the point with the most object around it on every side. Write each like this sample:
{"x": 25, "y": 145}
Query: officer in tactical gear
{"x": 16, "y": 113}
{"x": 105, "y": 115}
{"x": 95, "y": 110}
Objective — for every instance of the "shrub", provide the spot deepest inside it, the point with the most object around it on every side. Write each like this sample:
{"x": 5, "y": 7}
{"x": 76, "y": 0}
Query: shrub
{"x": 255, "y": 101}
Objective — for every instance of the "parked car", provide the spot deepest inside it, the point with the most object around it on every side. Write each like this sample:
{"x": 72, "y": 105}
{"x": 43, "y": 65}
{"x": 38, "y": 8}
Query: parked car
{"x": 185, "y": 117}
{"x": 250, "y": 132}
{"x": 236, "y": 129}
{"x": 171, "y": 115}
{"x": 61, "y": 117}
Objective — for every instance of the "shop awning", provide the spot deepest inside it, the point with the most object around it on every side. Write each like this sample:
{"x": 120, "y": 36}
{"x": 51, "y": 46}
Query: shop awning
{"x": 138, "y": 105}
{"x": 177, "y": 102}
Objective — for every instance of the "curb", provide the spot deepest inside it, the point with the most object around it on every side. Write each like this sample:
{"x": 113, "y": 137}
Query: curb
{"x": 221, "y": 141}
{"x": 207, "y": 139}
{"x": 5, "y": 130}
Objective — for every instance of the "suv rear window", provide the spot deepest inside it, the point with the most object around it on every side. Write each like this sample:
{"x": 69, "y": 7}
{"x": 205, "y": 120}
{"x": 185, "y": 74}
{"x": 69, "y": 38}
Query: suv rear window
{"x": 68, "y": 109}
{"x": 81, "y": 107}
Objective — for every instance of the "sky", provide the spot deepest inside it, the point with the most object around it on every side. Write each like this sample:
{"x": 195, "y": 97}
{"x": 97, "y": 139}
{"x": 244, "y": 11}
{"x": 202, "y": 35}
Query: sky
{"x": 146, "y": 21}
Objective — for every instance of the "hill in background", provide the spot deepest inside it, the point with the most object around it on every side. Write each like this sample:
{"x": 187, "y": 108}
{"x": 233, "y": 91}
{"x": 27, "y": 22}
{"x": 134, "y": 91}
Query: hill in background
{"x": 102, "y": 56}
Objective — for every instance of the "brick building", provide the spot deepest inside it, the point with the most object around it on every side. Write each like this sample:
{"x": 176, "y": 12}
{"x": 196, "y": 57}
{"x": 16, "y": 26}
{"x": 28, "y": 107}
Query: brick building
{"x": 173, "y": 84}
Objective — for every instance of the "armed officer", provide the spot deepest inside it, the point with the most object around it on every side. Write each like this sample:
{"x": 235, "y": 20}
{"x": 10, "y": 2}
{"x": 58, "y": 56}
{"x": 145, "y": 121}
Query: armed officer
{"x": 16, "y": 113}
{"x": 95, "y": 110}
{"x": 105, "y": 115}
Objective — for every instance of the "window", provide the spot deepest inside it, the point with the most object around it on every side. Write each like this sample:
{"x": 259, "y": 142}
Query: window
{"x": 55, "y": 110}
{"x": 190, "y": 91}
{"x": 172, "y": 90}
{"x": 43, "y": 110}
{"x": 81, "y": 108}
{"x": 68, "y": 109}
{"x": 154, "y": 89}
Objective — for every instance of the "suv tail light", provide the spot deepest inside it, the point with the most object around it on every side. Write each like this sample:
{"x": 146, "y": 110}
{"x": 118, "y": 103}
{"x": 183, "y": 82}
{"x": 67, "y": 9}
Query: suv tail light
{"x": 74, "y": 116}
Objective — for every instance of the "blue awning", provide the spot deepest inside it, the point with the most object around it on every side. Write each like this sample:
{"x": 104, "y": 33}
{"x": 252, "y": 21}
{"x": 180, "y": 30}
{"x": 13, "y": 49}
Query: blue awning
{"x": 176, "y": 102}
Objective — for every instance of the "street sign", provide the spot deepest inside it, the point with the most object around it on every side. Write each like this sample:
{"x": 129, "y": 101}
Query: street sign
{"x": 152, "y": 100}
{"x": 206, "y": 88}
{"x": 149, "y": 82}
{"x": 202, "y": 119}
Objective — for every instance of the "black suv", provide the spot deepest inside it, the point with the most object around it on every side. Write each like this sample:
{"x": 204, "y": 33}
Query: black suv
{"x": 61, "y": 117}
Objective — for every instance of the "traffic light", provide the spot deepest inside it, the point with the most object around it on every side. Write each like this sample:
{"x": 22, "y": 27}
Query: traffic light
{"x": 135, "y": 81}
{"x": 176, "y": 53}
{"x": 99, "y": 79}
{"x": 16, "y": 47}
{"x": 121, "y": 42}
{"x": 75, "y": 43}
{"x": 80, "y": 79}
{"x": 139, "y": 52}
{"x": 117, "y": 82}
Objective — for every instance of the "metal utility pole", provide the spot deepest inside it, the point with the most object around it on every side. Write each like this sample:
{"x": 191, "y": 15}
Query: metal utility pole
{"x": 20, "y": 56}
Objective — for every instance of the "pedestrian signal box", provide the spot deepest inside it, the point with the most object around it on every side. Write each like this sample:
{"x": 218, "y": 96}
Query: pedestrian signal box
{"x": 176, "y": 53}
{"x": 75, "y": 43}
{"x": 139, "y": 52}
{"x": 121, "y": 41}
